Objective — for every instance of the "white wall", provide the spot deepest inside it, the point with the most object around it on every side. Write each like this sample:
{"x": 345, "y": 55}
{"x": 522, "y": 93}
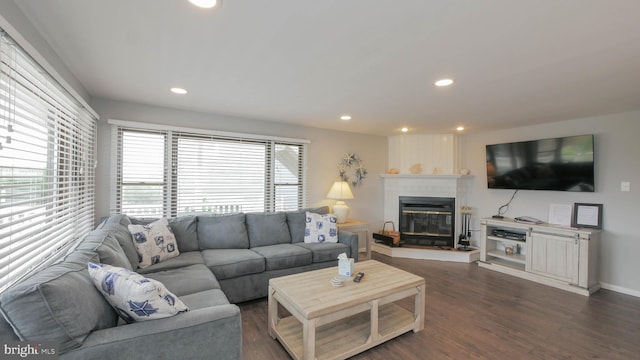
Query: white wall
{"x": 617, "y": 146}
{"x": 325, "y": 151}
{"x": 18, "y": 26}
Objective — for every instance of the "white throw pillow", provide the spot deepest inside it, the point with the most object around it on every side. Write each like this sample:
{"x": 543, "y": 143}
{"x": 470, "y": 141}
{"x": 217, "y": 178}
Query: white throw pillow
{"x": 320, "y": 228}
{"x": 154, "y": 242}
{"x": 134, "y": 297}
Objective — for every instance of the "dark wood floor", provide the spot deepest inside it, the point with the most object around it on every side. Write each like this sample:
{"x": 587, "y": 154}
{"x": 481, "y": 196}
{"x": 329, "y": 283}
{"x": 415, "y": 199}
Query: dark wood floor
{"x": 475, "y": 313}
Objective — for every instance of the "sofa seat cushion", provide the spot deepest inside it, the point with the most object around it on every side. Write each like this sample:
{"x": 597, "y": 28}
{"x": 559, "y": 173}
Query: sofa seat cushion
{"x": 231, "y": 263}
{"x": 222, "y": 232}
{"x": 59, "y": 303}
{"x": 203, "y": 299}
{"x": 186, "y": 280}
{"x": 325, "y": 251}
{"x": 183, "y": 260}
{"x": 267, "y": 229}
{"x": 106, "y": 245}
{"x": 283, "y": 256}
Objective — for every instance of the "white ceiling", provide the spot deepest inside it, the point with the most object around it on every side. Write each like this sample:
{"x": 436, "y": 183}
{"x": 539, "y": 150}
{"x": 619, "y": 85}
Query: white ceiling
{"x": 307, "y": 62}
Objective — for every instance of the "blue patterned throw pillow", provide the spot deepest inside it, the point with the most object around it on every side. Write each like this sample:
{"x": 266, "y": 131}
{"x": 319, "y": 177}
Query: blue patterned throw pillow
{"x": 320, "y": 228}
{"x": 154, "y": 242}
{"x": 134, "y": 297}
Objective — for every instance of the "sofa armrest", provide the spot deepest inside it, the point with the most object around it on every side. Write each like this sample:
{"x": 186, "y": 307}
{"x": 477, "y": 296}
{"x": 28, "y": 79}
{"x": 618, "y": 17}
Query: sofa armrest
{"x": 351, "y": 239}
{"x": 206, "y": 333}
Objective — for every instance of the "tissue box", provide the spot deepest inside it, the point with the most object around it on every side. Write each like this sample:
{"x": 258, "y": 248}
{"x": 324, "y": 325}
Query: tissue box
{"x": 345, "y": 267}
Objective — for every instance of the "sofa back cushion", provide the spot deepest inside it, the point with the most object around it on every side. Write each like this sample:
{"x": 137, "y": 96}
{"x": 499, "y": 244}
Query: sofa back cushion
{"x": 185, "y": 229}
{"x": 296, "y": 220}
{"x": 267, "y": 229}
{"x": 59, "y": 303}
{"x": 222, "y": 232}
{"x": 105, "y": 244}
{"x": 117, "y": 225}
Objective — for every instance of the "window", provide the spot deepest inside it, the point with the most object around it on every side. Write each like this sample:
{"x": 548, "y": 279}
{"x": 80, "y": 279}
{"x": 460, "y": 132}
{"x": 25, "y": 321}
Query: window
{"x": 169, "y": 172}
{"x": 142, "y": 182}
{"x": 47, "y": 165}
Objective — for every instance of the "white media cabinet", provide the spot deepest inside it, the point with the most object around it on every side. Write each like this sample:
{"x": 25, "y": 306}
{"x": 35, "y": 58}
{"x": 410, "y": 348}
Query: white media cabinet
{"x": 566, "y": 258}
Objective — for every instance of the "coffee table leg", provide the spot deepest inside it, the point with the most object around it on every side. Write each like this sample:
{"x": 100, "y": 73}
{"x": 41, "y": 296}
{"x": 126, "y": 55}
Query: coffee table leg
{"x": 273, "y": 313}
{"x": 419, "y": 310}
{"x": 374, "y": 334}
{"x": 309, "y": 339}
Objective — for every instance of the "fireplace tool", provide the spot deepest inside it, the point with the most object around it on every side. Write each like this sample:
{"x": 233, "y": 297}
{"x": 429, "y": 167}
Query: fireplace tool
{"x": 464, "y": 240}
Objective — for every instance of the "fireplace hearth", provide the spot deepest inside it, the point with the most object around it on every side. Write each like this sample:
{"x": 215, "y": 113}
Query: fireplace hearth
{"x": 427, "y": 221}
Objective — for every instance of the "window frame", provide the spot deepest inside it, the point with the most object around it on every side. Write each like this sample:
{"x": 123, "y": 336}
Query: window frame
{"x": 171, "y": 150}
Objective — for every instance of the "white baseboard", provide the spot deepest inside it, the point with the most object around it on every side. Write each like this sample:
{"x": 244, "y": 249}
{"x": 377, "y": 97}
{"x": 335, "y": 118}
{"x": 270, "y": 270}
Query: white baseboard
{"x": 620, "y": 289}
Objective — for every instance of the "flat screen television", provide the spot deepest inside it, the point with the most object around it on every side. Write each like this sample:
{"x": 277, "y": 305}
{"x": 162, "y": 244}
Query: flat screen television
{"x": 562, "y": 164}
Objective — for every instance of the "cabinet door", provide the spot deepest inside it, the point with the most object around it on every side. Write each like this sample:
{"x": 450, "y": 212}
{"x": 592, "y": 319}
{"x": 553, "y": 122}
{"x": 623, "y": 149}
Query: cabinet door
{"x": 555, "y": 256}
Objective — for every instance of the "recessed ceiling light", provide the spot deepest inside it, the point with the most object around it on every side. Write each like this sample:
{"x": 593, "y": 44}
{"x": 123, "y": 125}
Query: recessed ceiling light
{"x": 460, "y": 128}
{"x": 207, "y": 4}
{"x": 177, "y": 90}
{"x": 404, "y": 129}
{"x": 444, "y": 82}
{"x": 345, "y": 117}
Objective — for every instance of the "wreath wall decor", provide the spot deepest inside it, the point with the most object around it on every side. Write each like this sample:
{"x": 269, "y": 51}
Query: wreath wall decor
{"x": 351, "y": 169}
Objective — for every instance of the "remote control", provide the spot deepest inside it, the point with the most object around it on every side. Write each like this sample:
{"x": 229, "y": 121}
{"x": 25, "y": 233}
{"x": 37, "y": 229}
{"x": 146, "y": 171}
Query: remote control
{"x": 358, "y": 277}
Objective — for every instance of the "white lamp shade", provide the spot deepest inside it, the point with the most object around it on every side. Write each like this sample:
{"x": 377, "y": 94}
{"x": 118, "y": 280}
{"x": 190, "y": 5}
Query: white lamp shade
{"x": 340, "y": 191}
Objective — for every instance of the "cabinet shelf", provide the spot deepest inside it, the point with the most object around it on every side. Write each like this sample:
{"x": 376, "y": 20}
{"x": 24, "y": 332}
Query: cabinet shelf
{"x": 510, "y": 241}
{"x": 516, "y": 258}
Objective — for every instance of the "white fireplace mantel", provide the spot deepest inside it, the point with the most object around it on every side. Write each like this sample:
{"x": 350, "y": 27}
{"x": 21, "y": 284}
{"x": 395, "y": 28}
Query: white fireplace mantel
{"x": 441, "y": 185}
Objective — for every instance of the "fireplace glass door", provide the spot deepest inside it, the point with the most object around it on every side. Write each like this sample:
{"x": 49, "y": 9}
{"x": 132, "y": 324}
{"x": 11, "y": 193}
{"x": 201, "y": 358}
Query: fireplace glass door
{"x": 427, "y": 221}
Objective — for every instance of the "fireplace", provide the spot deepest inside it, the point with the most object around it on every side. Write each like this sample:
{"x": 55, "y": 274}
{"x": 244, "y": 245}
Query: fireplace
{"x": 427, "y": 221}
{"x": 437, "y": 187}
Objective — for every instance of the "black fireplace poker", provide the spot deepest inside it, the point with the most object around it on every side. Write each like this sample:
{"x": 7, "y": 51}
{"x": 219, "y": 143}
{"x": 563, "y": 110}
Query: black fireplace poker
{"x": 464, "y": 240}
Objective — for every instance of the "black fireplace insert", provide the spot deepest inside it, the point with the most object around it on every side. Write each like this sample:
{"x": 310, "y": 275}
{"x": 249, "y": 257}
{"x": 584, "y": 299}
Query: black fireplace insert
{"x": 427, "y": 221}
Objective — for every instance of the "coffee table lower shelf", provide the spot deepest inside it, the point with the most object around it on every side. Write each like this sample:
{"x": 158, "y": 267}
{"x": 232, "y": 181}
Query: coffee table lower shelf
{"x": 349, "y": 336}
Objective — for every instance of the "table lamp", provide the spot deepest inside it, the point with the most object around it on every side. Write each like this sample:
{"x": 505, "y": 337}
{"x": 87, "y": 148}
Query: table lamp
{"x": 340, "y": 191}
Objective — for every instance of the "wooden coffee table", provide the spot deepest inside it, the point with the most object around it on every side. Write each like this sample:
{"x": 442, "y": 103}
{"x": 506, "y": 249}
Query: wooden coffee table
{"x": 328, "y": 322}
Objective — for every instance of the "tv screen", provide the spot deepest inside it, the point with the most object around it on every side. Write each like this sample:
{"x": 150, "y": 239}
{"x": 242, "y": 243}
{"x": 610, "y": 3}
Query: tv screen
{"x": 563, "y": 164}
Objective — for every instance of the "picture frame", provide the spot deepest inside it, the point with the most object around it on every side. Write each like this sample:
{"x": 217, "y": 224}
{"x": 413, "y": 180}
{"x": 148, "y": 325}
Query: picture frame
{"x": 560, "y": 214}
{"x": 587, "y": 216}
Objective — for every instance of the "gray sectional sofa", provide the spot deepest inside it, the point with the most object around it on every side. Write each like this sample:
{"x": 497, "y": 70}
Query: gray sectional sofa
{"x": 223, "y": 260}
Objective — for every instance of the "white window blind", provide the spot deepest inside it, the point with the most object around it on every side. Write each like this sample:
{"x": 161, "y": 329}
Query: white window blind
{"x": 205, "y": 173}
{"x": 47, "y": 165}
{"x": 289, "y": 175}
{"x": 142, "y": 180}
